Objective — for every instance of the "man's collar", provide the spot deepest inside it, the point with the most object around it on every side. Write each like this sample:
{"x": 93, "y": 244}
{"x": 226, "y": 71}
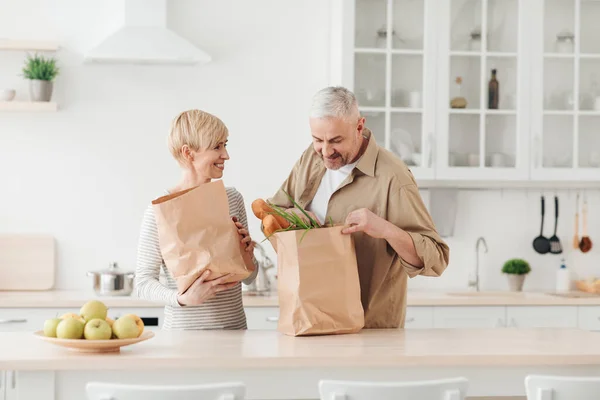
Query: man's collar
{"x": 366, "y": 163}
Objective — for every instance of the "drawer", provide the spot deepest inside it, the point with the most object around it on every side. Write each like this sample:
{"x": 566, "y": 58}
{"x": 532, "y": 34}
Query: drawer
{"x": 589, "y": 318}
{"x": 418, "y": 318}
{"x": 262, "y": 318}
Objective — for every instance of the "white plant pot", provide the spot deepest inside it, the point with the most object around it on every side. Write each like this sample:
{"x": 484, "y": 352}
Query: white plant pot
{"x": 40, "y": 90}
{"x": 515, "y": 282}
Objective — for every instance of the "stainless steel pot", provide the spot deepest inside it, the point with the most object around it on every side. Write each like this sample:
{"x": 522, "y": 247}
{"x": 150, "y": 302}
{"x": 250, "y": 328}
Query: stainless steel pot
{"x": 112, "y": 281}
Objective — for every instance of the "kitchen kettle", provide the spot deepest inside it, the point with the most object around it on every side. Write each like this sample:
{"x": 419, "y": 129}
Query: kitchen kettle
{"x": 261, "y": 283}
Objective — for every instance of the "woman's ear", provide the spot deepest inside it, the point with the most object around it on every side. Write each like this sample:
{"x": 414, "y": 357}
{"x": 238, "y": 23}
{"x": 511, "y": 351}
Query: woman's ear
{"x": 186, "y": 153}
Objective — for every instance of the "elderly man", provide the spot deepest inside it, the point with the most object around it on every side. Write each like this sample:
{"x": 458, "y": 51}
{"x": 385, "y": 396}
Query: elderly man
{"x": 345, "y": 175}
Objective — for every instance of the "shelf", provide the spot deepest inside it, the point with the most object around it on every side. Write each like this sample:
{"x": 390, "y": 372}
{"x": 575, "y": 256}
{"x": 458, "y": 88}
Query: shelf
{"x": 406, "y": 110}
{"x": 374, "y": 50}
{"x": 407, "y": 52}
{"x": 584, "y": 56}
{"x": 468, "y": 111}
{"x": 501, "y": 112}
{"x": 372, "y": 109}
{"x": 516, "y": 184}
{"x": 368, "y": 50}
{"x": 559, "y": 112}
{"x": 8, "y": 44}
{"x": 476, "y": 111}
{"x": 591, "y": 113}
{"x": 559, "y": 55}
{"x": 497, "y": 54}
{"x": 39, "y": 106}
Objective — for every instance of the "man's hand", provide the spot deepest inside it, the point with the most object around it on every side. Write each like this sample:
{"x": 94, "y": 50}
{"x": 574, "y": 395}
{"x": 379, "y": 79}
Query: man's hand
{"x": 201, "y": 291}
{"x": 364, "y": 220}
{"x": 301, "y": 215}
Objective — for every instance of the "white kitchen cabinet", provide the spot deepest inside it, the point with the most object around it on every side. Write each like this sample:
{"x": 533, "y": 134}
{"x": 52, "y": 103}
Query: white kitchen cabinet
{"x": 588, "y": 318}
{"x": 470, "y": 317}
{"x": 262, "y": 317}
{"x": 28, "y": 385}
{"x": 541, "y": 317}
{"x": 32, "y": 319}
{"x": 402, "y": 58}
{"x": 418, "y": 317}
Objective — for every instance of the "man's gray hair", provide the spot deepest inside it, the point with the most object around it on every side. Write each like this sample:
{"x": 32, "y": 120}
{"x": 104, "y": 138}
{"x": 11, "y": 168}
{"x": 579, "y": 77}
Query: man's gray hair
{"x": 336, "y": 102}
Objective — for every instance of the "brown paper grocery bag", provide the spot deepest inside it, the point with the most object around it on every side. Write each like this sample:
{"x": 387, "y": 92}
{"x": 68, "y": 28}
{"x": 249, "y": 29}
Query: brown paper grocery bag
{"x": 318, "y": 284}
{"x": 196, "y": 233}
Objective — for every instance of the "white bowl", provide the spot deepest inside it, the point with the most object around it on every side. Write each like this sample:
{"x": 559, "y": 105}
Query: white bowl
{"x": 7, "y": 94}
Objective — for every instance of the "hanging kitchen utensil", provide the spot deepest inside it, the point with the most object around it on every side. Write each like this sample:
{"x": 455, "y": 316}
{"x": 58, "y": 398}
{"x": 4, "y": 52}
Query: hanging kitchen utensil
{"x": 576, "y": 234}
{"x": 585, "y": 244}
{"x": 541, "y": 244}
{"x": 555, "y": 246}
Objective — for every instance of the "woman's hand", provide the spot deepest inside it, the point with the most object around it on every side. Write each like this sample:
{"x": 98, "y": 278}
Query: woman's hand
{"x": 245, "y": 239}
{"x": 201, "y": 291}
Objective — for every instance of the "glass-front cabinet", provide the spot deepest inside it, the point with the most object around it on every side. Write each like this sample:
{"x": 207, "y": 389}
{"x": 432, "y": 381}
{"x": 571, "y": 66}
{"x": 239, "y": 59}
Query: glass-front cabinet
{"x": 392, "y": 46}
{"x": 476, "y": 89}
{"x": 566, "y": 90}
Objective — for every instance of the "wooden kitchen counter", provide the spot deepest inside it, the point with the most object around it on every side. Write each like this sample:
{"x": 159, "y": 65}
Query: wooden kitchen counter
{"x": 270, "y": 349}
{"x": 274, "y": 366}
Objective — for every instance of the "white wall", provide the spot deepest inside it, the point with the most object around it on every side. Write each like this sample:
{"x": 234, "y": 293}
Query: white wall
{"x": 86, "y": 173}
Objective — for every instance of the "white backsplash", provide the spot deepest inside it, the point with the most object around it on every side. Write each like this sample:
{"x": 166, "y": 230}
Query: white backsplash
{"x": 509, "y": 220}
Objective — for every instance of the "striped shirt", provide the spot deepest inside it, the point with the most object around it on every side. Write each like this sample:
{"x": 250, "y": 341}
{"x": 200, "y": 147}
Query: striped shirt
{"x": 224, "y": 311}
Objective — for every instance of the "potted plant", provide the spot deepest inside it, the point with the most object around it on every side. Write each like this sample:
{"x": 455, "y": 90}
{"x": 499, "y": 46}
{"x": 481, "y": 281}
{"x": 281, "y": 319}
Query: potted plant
{"x": 516, "y": 269}
{"x": 40, "y": 71}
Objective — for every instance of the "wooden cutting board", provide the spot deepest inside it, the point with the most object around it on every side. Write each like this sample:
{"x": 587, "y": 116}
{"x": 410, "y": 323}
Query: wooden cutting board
{"x": 27, "y": 262}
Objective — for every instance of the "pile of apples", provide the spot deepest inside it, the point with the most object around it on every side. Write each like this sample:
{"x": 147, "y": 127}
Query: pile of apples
{"x": 93, "y": 323}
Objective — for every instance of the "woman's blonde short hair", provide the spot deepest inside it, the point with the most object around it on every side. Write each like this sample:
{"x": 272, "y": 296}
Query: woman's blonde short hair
{"x": 198, "y": 130}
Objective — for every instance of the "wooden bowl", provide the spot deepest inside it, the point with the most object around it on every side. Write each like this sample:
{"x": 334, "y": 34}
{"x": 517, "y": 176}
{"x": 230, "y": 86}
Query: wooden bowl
{"x": 94, "y": 346}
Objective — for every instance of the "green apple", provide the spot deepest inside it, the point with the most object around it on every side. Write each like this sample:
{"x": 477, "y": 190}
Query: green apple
{"x": 50, "y": 326}
{"x": 93, "y": 309}
{"x": 97, "y": 329}
{"x": 125, "y": 328}
{"x": 69, "y": 328}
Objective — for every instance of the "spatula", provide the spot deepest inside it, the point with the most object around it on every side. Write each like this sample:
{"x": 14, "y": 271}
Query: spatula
{"x": 585, "y": 244}
{"x": 555, "y": 246}
{"x": 541, "y": 243}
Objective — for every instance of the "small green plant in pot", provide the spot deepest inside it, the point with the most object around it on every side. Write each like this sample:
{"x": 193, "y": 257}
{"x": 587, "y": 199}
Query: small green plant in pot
{"x": 516, "y": 269}
{"x": 40, "y": 71}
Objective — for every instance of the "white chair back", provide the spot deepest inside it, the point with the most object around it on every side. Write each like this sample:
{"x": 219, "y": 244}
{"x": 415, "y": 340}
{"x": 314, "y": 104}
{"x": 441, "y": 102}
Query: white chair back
{"x": 116, "y": 391}
{"x": 444, "y": 389}
{"x": 546, "y": 387}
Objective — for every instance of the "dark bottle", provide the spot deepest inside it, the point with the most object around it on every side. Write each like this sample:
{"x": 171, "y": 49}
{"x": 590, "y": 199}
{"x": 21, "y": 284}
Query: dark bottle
{"x": 493, "y": 92}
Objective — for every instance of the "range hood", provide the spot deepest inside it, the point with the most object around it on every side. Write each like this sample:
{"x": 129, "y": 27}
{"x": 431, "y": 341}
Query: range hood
{"x": 145, "y": 39}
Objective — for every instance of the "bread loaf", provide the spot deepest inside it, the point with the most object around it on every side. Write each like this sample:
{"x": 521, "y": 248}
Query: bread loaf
{"x": 261, "y": 210}
{"x": 270, "y": 225}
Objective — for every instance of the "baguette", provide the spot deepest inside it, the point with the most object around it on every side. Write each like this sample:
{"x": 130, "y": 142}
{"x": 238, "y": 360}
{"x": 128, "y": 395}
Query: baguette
{"x": 270, "y": 225}
{"x": 261, "y": 210}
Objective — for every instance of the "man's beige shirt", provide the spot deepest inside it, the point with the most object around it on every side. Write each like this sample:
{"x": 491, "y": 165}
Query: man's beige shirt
{"x": 382, "y": 183}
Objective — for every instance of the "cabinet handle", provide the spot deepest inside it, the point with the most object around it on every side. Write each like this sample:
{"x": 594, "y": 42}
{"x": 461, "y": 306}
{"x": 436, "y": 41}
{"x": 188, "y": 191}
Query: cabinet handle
{"x": 13, "y": 321}
{"x": 272, "y": 319}
{"x": 409, "y": 320}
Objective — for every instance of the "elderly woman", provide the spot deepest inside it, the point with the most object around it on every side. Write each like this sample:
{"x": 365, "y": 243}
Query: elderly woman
{"x": 198, "y": 142}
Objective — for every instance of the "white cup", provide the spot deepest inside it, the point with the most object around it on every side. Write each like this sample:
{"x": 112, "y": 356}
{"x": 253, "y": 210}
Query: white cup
{"x": 415, "y": 99}
{"x": 497, "y": 160}
{"x": 473, "y": 160}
